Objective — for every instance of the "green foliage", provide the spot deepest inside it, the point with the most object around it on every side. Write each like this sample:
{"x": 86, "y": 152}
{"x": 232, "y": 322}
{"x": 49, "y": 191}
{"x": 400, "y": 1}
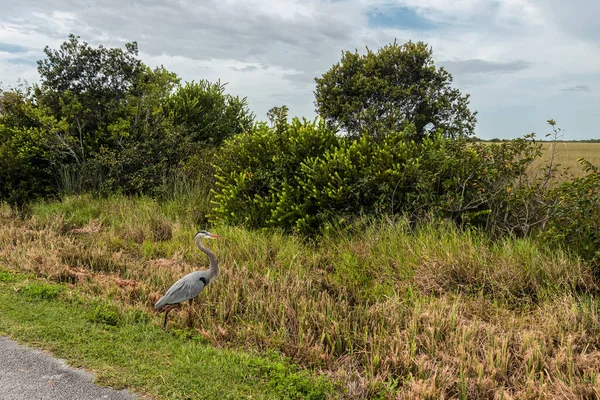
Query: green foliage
{"x": 146, "y": 145}
{"x": 574, "y": 219}
{"x": 285, "y": 383}
{"x": 87, "y": 87}
{"x": 102, "y": 121}
{"x": 385, "y": 91}
{"x": 104, "y": 315}
{"x": 473, "y": 183}
{"x": 306, "y": 177}
{"x": 257, "y": 173}
{"x": 26, "y": 171}
{"x": 207, "y": 113}
{"x": 7, "y": 276}
{"x": 278, "y": 116}
{"x": 41, "y": 291}
{"x": 187, "y": 191}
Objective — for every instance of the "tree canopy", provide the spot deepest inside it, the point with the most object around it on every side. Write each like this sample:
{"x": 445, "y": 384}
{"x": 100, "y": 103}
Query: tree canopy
{"x": 384, "y": 91}
{"x": 101, "y": 120}
{"x": 208, "y": 113}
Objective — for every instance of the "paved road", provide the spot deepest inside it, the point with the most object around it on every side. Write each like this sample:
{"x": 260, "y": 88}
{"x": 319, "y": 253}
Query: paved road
{"x": 28, "y": 374}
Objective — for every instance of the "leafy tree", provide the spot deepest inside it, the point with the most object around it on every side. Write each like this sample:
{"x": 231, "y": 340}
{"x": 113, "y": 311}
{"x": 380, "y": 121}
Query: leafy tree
{"x": 574, "y": 218}
{"x": 208, "y": 113}
{"x": 146, "y": 147}
{"x": 88, "y": 88}
{"x": 385, "y": 91}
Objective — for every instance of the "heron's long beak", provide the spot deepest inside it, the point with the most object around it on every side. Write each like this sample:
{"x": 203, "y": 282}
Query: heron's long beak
{"x": 213, "y": 236}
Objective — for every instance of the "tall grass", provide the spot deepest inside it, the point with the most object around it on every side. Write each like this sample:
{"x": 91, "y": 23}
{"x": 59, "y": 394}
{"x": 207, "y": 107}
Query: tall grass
{"x": 391, "y": 311}
{"x": 188, "y": 198}
{"x": 68, "y": 180}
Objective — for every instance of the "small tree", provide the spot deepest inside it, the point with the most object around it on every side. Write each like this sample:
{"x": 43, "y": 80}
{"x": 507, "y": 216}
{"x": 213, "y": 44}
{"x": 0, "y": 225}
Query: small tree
{"x": 387, "y": 90}
{"x": 278, "y": 116}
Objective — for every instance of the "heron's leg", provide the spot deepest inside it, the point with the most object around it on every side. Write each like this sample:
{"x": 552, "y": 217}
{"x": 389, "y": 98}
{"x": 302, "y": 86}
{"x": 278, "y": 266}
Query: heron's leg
{"x": 166, "y": 313}
{"x": 190, "y": 314}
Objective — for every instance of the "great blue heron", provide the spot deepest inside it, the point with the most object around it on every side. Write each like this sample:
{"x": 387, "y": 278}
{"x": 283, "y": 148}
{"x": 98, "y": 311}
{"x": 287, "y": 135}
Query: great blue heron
{"x": 190, "y": 286}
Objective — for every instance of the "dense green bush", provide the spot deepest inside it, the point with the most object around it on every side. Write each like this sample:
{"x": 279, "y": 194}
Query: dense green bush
{"x": 26, "y": 171}
{"x": 574, "y": 217}
{"x": 257, "y": 172}
{"x": 207, "y": 113}
{"x": 305, "y": 176}
{"x": 475, "y": 183}
{"x": 101, "y": 121}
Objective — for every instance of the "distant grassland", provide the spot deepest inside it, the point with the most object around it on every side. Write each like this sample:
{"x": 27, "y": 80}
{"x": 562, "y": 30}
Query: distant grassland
{"x": 566, "y": 155}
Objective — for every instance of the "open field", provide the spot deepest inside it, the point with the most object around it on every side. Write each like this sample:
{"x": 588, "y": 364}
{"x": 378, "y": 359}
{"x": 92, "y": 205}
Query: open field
{"x": 392, "y": 312}
{"x": 567, "y": 153}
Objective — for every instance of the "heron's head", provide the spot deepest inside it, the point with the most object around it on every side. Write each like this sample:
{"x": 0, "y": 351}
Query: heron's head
{"x": 208, "y": 235}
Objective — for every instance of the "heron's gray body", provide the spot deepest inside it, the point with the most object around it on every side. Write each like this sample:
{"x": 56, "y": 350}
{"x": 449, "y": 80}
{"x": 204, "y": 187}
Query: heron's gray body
{"x": 184, "y": 289}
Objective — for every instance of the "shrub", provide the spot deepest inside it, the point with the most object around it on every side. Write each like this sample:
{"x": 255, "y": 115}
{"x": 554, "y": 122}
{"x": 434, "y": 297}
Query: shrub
{"x": 305, "y": 177}
{"x": 255, "y": 172}
{"x": 574, "y": 218}
{"x": 207, "y": 113}
{"x": 474, "y": 183}
{"x": 26, "y": 170}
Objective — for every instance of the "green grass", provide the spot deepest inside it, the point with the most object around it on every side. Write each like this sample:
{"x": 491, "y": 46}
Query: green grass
{"x": 124, "y": 350}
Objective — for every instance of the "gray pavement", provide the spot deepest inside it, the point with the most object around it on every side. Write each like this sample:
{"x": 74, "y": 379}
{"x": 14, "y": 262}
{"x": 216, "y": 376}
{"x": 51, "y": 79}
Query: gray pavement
{"x": 29, "y": 374}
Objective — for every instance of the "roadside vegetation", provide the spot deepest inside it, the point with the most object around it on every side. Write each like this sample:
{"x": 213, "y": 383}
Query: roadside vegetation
{"x": 389, "y": 310}
{"x": 125, "y": 350}
{"x": 403, "y": 259}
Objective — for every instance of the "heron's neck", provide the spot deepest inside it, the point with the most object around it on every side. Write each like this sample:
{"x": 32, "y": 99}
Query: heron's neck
{"x": 213, "y": 271}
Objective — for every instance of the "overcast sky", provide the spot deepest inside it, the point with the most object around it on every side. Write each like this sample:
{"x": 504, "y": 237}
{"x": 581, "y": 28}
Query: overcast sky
{"x": 522, "y": 61}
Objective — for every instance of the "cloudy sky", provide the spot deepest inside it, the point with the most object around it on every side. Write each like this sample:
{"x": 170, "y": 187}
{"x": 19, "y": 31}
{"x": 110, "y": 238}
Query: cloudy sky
{"x": 522, "y": 61}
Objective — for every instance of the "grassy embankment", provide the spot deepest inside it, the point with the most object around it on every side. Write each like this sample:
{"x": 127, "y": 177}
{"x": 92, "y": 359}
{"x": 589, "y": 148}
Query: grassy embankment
{"x": 391, "y": 311}
{"x": 125, "y": 350}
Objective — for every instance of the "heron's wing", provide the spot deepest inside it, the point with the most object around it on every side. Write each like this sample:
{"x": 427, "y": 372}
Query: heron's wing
{"x": 184, "y": 289}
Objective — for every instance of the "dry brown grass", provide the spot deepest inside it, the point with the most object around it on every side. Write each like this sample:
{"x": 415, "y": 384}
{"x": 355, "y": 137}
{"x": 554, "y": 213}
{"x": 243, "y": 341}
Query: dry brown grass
{"x": 433, "y": 313}
{"x": 566, "y": 155}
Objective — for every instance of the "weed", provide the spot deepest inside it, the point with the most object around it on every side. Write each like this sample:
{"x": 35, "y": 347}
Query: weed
{"x": 7, "y": 276}
{"x": 285, "y": 383}
{"x": 104, "y": 315}
{"x": 41, "y": 291}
